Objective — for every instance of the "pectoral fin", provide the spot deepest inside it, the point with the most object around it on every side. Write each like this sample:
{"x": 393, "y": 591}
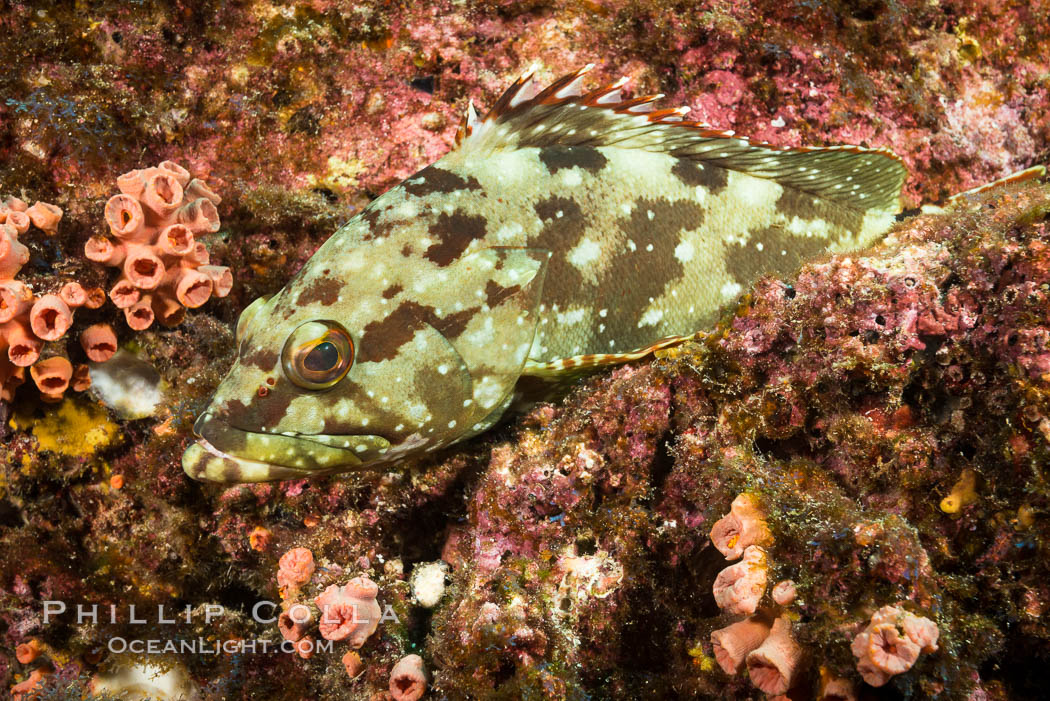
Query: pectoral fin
{"x": 499, "y": 336}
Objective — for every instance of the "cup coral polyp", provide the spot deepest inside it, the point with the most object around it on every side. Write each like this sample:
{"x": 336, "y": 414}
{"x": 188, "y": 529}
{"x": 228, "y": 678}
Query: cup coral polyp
{"x": 738, "y": 588}
{"x": 891, "y": 643}
{"x": 744, "y": 525}
{"x": 295, "y": 622}
{"x": 352, "y": 661}
{"x": 784, "y": 592}
{"x": 29, "y": 322}
{"x": 349, "y": 612}
{"x": 408, "y": 679}
{"x": 733, "y": 643}
{"x": 155, "y": 221}
{"x": 295, "y": 568}
{"x": 773, "y": 666}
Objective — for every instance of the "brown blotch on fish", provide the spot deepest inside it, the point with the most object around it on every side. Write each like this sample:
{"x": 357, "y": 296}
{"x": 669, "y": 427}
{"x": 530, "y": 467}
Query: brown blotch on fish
{"x": 376, "y": 229}
{"x": 262, "y": 413}
{"x": 441, "y": 403}
{"x": 586, "y": 157}
{"x": 392, "y": 291}
{"x": 454, "y": 324}
{"x": 713, "y": 178}
{"x": 380, "y": 340}
{"x": 365, "y": 407}
{"x": 432, "y": 179}
{"x": 265, "y": 360}
{"x": 455, "y": 232}
{"x": 496, "y": 293}
{"x": 771, "y": 250}
{"x": 564, "y": 280}
{"x": 324, "y": 290}
{"x": 655, "y": 227}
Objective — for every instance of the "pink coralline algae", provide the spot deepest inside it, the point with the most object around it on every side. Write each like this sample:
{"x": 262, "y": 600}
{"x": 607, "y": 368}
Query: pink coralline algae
{"x": 891, "y": 643}
{"x": 743, "y": 526}
{"x": 408, "y": 679}
{"x": 349, "y": 612}
{"x": 295, "y": 568}
{"x": 28, "y": 322}
{"x": 156, "y": 221}
{"x": 738, "y": 588}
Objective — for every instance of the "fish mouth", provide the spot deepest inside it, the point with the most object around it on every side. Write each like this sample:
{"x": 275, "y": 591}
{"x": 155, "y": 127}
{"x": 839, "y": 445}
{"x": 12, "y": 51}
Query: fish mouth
{"x": 224, "y": 453}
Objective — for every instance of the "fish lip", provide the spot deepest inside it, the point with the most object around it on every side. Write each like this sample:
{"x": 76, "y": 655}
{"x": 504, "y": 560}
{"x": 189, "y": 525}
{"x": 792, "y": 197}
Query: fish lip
{"x": 223, "y": 468}
{"x": 239, "y": 448}
{"x": 209, "y": 448}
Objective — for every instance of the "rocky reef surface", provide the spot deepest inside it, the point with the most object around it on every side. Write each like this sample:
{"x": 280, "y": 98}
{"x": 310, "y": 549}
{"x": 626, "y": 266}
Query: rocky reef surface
{"x": 839, "y": 493}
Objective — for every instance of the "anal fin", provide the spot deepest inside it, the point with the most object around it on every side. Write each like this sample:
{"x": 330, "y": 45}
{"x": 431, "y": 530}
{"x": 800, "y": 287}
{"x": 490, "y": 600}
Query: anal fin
{"x": 580, "y": 365}
{"x": 1020, "y": 176}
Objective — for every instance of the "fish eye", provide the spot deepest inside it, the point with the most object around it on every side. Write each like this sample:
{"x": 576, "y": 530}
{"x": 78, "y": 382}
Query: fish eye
{"x": 317, "y": 354}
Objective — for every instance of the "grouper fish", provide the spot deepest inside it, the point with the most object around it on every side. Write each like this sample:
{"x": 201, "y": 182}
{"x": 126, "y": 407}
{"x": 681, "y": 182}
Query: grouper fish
{"x": 566, "y": 231}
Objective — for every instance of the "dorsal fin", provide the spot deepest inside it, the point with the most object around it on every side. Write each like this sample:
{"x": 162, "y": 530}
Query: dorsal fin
{"x": 563, "y": 115}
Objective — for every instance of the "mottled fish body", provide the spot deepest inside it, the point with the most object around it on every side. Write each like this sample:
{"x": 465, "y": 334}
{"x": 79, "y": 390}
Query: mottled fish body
{"x": 565, "y": 231}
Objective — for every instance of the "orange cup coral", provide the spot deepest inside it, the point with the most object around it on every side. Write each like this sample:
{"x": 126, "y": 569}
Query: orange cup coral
{"x": 408, "y": 679}
{"x": 891, "y": 643}
{"x": 27, "y": 689}
{"x": 295, "y": 568}
{"x": 738, "y": 588}
{"x": 743, "y": 526}
{"x": 165, "y": 269}
{"x": 733, "y": 643}
{"x": 352, "y": 661}
{"x": 349, "y": 612}
{"x": 773, "y": 666}
{"x": 294, "y": 622}
{"x": 27, "y": 321}
{"x": 784, "y": 592}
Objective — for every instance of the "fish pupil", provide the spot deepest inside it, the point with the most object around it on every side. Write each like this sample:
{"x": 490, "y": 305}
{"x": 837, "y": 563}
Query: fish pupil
{"x": 322, "y": 358}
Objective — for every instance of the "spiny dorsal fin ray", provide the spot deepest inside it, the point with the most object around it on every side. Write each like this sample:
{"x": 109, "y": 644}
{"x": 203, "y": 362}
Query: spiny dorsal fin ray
{"x": 562, "y": 115}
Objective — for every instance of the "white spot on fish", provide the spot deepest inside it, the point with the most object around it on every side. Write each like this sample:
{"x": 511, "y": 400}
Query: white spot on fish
{"x": 730, "y": 289}
{"x": 684, "y": 252}
{"x": 651, "y": 317}
{"x": 572, "y": 317}
{"x": 585, "y": 253}
{"x": 571, "y": 177}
